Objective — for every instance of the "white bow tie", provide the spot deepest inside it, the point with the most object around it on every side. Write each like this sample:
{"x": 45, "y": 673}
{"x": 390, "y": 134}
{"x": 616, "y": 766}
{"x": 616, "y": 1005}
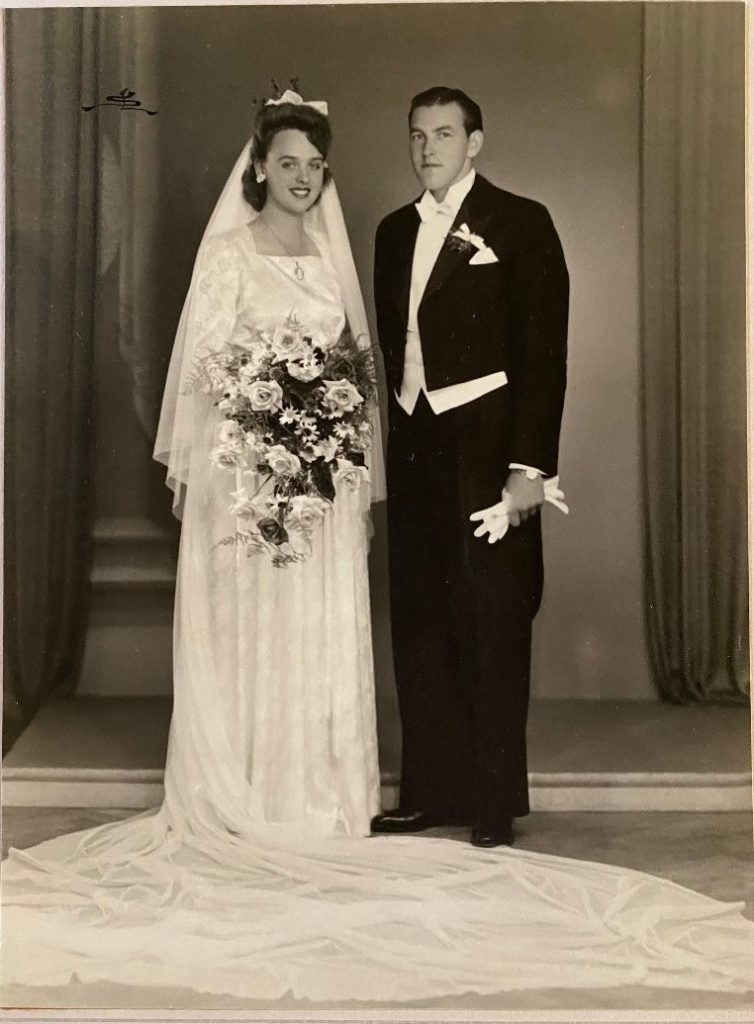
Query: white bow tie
{"x": 428, "y": 207}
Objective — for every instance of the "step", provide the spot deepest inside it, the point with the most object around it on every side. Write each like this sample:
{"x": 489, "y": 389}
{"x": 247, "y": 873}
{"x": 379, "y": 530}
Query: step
{"x": 583, "y": 756}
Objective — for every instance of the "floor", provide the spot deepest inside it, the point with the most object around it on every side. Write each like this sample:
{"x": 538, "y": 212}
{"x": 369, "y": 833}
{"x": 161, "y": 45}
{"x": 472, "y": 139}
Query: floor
{"x": 712, "y": 853}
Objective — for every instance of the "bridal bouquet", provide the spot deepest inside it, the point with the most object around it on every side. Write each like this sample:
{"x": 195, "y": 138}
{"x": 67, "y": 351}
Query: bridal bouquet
{"x": 295, "y": 406}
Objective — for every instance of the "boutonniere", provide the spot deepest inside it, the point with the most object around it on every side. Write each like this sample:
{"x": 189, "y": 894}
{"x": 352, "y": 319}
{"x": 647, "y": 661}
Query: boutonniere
{"x": 465, "y": 241}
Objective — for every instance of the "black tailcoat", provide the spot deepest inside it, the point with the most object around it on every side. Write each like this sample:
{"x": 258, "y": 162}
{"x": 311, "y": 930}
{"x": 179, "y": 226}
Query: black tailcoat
{"x": 475, "y": 320}
{"x": 462, "y": 609}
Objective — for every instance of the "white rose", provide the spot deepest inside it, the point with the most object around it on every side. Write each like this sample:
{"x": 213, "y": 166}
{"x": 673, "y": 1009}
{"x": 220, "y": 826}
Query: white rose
{"x": 241, "y": 505}
{"x": 350, "y": 476}
{"x": 229, "y": 431}
{"x": 307, "y": 511}
{"x": 341, "y": 396}
{"x": 227, "y": 456}
{"x": 265, "y": 395}
{"x": 288, "y": 344}
{"x": 282, "y": 462}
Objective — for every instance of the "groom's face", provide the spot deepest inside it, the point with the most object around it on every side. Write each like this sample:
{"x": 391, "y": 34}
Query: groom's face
{"x": 441, "y": 150}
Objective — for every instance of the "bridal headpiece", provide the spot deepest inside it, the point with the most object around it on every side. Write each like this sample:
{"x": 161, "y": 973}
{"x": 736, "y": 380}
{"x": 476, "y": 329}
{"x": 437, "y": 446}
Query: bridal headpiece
{"x": 294, "y": 97}
{"x": 289, "y": 96}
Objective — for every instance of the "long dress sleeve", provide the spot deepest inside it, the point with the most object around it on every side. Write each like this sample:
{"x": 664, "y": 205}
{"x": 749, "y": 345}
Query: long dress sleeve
{"x": 206, "y": 325}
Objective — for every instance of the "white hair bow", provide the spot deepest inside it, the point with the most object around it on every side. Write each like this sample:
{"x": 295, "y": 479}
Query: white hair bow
{"x": 289, "y": 96}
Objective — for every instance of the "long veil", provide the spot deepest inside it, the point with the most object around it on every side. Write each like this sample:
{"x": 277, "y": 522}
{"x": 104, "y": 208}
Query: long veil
{"x": 325, "y": 220}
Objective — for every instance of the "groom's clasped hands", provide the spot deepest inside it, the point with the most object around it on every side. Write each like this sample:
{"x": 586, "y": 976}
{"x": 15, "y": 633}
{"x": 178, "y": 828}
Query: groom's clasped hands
{"x": 521, "y": 498}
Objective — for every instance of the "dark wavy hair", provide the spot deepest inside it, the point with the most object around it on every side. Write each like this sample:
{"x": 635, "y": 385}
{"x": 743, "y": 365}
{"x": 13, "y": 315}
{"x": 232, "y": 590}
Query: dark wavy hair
{"x": 279, "y": 118}
{"x": 440, "y": 95}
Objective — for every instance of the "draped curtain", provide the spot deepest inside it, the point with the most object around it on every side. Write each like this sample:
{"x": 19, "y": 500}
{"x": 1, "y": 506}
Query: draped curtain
{"x": 693, "y": 351}
{"x": 81, "y": 202}
{"x": 51, "y": 216}
{"x": 129, "y": 207}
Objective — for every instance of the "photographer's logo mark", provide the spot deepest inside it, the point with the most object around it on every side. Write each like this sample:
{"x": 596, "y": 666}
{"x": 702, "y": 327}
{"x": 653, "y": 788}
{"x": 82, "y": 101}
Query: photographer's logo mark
{"x": 124, "y": 101}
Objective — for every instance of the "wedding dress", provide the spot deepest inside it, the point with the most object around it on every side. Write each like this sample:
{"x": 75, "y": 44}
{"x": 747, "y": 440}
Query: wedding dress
{"x": 256, "y": 878}
{"x": 274, "y": 685}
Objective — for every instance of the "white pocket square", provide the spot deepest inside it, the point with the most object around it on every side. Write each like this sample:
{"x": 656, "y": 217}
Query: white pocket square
{"x": 485, "y": 255}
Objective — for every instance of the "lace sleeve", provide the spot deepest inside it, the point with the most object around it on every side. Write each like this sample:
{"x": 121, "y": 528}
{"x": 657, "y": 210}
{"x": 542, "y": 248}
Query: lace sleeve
{"x": 215, "y": 307}
{"x": 206, "y": 325}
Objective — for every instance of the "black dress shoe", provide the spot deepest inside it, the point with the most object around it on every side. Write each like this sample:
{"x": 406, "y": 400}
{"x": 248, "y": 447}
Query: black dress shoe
{"x": 501, "y": 835}
{"x": 398, "y": 821}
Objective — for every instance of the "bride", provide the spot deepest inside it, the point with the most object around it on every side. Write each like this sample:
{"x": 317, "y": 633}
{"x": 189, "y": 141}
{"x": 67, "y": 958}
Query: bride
{"x": 255, "y": 877}
{"x": 274, "y": 715}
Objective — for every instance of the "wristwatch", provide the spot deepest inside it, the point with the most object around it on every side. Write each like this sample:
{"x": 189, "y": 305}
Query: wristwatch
{"x": 529, "y": 473}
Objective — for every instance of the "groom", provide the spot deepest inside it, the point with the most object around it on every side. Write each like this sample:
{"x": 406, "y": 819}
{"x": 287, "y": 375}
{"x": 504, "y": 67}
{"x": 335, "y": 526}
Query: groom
{"x": 471, "y": 291}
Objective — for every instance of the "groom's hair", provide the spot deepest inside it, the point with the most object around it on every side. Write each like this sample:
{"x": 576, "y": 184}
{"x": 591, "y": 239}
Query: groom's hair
{"x": 440, "y": 95}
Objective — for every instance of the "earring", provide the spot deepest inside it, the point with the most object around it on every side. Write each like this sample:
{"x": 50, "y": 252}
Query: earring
{"x": 260, "y": 177}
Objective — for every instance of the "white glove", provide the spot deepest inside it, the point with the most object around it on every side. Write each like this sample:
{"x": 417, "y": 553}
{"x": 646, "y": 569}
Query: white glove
{"x": 495, "y": 520}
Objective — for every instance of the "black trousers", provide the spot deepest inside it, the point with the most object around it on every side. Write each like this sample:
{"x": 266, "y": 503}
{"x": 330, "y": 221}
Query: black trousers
{"x": 462, "y": 613}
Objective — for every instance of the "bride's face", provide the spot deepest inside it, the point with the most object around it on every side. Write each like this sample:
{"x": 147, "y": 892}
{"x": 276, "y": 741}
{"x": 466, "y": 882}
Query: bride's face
{"x": 295, "y": 171}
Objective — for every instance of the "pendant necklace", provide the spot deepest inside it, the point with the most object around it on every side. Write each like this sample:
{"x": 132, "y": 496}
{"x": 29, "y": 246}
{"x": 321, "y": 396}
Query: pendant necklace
{"x": 299, "y": 270}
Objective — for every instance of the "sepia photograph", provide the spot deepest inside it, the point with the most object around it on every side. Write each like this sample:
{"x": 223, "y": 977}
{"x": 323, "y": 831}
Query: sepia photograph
{"x": 376, "y": 550}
